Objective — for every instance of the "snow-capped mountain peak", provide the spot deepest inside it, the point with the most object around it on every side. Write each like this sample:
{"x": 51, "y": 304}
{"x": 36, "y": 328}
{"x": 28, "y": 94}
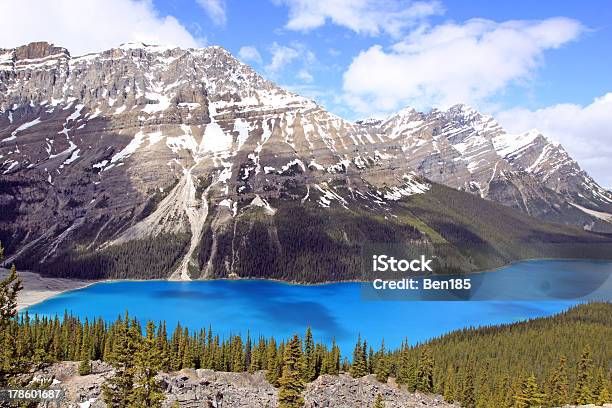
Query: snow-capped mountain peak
{"x": 142, "y": 140}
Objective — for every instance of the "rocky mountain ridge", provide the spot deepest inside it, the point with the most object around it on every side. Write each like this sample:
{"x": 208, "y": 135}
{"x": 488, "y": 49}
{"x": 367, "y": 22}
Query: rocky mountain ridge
{"x": 140, "y": 142}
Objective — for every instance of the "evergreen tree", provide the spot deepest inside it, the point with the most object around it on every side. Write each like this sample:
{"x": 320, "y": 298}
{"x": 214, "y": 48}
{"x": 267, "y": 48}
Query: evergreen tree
{"x": 334, "y": 359}
{"x": 9, "y": 288}
{"x": 148, "y": 361}
{"x": 403, "y": 364}
{"x": 604, "y": 396}
{"x": 359, "y": 365}
{"x": 291, "y": 383}
{"x": 118, "y": 389}
{"x": 255, "y": 364}
{"x": 558, "y": 386}
{"x": 412, "y": 381}
{"x": 237, "y": 351}
{"x": 247, "y": 352}
{"x": 468, "y": 398}
{"x": 272, "y": 363}
{"x": 331, "y": 360}
{"x": 450, "y": 387}
{"x": 583, "y": 393}
{"x": 309, "y": 359}
{"x": 85, "y": 367}
{"x": 600, "y": 388}
{"x": 382, "y": 365}
{"x": 530, "y": 395}
{"x": 425, "y": 381}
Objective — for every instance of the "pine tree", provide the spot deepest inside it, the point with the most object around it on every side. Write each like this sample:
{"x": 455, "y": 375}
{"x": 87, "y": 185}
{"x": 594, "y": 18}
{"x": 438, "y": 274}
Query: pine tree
{"x": 530, "y": 395}
{"x": 309, "y": 359}
{"x": 558, "y": 386}
{"x": 403, "y": 364}
{"x": 583, "y": 393}
{"x": 291, "y": 383}
{"x": 382, "y": 365}
{"x": 425, "y": 371}
{"x": 412, "y": 381}
{"x": 9, "y": 288}
{"x": 237, "y": 352}
{"x": 247, "y": 352}
{"x": 255, "y": 360}
{"x": 600, "y": 388}
{"x": 359, "y": 365}
{"x": 379, "y": 403}
{"x": 118, "y": 389}
{"x": 331, "y": 360}
{"x": 468, "y": 398}
{"x": 604, "y": 396}
{"x": 450, "y": 387}
{"x": 272, "y": 363}
{"x": 334, "y": 369}
{"x": 85, "y": 367}
{"x": 280, "y": 362}
{"x": 148, "y": 361}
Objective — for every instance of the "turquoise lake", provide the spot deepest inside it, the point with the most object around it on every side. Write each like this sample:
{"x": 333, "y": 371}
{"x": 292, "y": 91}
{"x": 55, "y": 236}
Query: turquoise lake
{"x": 517, "y": 292}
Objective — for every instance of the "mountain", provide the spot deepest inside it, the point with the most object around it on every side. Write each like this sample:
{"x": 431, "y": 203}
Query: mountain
{"x": 464, "y": 149}
{"x": 146, "y": 161}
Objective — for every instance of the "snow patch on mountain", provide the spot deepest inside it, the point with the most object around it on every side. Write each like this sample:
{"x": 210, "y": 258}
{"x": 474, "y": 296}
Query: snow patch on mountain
{"x": 22, "y": 127}
{"x": 597, "y": 214}
{"x": 510, "y": 145}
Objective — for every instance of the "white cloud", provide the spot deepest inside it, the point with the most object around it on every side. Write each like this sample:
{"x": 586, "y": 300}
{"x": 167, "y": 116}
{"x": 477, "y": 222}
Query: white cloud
{"x": 282, "y": 56}
{"x": 451, "y": 63}
{"x": 584, "y": 131}
{"x": 89, "y": 26}
{"x": 249, "y": 54}
{"x": 369, "y": 17}
{"x": 215, "y": 10}
{"x": 305, "y": 76}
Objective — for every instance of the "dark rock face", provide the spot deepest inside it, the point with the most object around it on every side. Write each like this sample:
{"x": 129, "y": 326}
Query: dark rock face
{"x": 39, "y": 50}
{"x": 103, "y": 151}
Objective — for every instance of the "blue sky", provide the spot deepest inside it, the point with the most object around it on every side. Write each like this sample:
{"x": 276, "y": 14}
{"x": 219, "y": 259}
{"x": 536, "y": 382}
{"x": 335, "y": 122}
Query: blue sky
{"x": 543, "y": 64}
{"x": 576, "y": 72}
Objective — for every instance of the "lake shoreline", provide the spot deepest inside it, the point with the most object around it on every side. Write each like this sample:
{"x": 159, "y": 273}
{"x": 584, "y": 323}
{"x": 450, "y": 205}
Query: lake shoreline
{"x": 38, "y": 288}
{"x": 339, "y": 311}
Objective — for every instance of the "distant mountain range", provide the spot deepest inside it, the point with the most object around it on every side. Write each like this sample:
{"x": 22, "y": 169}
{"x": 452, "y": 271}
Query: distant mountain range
{"x": 144, "y": 161}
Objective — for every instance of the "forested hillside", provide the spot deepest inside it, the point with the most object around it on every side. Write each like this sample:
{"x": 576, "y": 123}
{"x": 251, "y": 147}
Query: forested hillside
{"x": 550, "y": 361}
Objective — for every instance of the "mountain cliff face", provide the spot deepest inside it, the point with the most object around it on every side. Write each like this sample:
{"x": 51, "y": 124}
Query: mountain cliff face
{"x": 146, "y": 161}
{"x": 466, "y": 150}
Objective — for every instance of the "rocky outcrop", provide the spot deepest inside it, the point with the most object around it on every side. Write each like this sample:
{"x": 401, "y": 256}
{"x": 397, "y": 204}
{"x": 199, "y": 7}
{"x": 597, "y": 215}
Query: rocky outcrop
{"x": 344, "y": 391}
{"x": 208, "y": 389}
